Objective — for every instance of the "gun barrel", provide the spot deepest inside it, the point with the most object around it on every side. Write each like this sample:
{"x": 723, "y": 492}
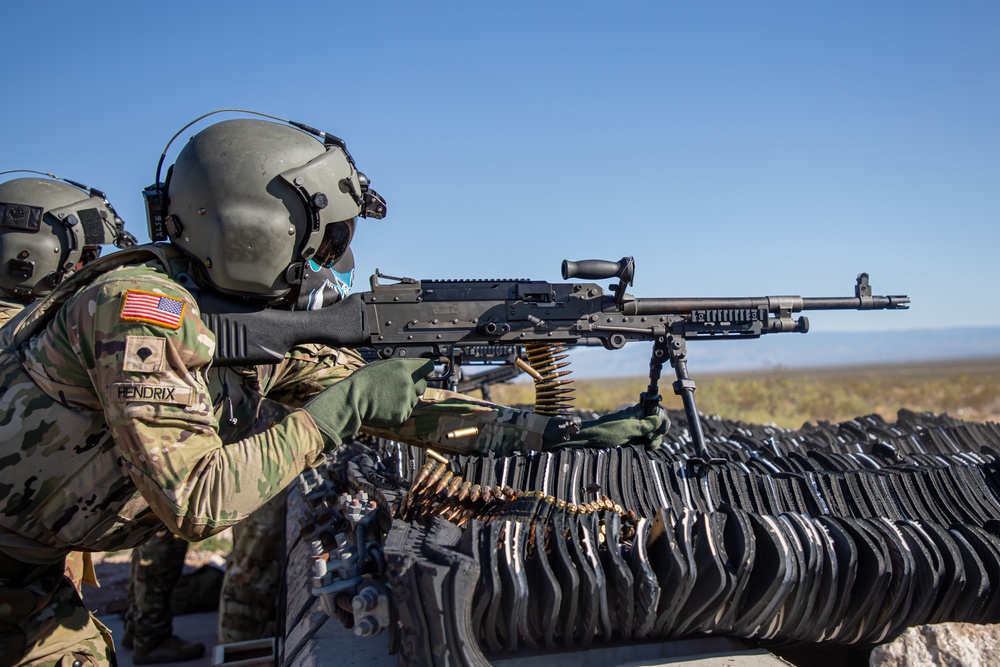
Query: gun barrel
{"x": 892, "y": 302}
{"x": 773, "y": 304}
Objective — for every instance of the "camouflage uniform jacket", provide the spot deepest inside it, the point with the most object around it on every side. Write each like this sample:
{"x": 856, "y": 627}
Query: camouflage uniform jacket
{"x": 9, "y": 308}
{"x": 111, "y": 423}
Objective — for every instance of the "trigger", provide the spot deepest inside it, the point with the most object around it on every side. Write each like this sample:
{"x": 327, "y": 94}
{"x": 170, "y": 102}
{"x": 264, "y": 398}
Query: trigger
{"x": 446, "y": 370}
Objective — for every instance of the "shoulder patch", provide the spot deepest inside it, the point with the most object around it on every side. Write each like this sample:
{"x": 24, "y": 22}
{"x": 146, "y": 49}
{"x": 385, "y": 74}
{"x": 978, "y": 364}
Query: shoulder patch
{"x": 144, "y": 354}
{"x": 152, "y": 308}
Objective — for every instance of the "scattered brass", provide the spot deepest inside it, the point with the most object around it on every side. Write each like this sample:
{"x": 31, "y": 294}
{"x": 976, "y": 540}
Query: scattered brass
{"x": 466, "y": 432}
{"x": 431, "y": 454}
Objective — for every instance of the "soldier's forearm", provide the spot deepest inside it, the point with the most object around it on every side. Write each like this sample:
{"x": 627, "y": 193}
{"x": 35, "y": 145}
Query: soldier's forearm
{"x": 228, "y": 483}
{"x": 461, "y": 424}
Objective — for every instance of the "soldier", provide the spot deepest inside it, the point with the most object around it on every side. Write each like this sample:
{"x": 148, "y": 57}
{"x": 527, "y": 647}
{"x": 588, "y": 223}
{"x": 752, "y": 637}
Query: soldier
{"x": 41, "y": 220}
{"x": 112, "y": 424}
{"x": 248, "y": 603}
{"x": 155, "y": 569}
{"x": 41, "y": 223}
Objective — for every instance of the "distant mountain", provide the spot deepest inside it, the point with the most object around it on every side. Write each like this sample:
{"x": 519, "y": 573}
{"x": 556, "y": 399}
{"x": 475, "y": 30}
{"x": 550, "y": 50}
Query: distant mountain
{"x": 812, "y": 350}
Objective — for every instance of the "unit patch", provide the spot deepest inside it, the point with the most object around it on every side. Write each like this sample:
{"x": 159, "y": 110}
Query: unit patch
{"x": 144, "y": 354}
{"x": 152, "y": 308}
{"x": 129, "y": 392}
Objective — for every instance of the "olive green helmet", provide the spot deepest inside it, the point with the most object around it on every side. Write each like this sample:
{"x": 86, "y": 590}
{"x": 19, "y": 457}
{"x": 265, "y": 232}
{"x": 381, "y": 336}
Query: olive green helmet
{"x": 49, "y": 226}
{"x": 252, "y": 201}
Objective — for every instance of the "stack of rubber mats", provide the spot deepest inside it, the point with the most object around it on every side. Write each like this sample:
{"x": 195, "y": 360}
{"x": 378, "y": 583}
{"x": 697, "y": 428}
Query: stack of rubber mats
{"x": 834, "y": 534}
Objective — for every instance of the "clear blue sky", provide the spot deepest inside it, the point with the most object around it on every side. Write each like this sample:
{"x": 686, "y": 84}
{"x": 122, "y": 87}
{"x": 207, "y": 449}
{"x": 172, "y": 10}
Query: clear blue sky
{"x": 733, "y": 148}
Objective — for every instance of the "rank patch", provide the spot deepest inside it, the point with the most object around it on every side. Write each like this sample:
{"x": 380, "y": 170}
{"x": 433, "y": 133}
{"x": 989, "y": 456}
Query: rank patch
{"x": 144, "y": 354}
{"x": 134, "y": 392}
{"x": 141, "y": 306}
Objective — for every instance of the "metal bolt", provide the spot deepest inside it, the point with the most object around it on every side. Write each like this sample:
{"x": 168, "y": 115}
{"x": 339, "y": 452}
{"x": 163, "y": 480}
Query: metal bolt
{"x": 365, "y": 627}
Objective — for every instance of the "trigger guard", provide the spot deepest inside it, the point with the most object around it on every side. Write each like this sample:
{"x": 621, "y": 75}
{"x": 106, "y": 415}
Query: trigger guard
{"x": 445, "y": 372}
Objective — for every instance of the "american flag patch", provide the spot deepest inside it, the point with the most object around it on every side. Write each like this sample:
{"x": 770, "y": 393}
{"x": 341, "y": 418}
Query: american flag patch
{"x": 165, "y": 311}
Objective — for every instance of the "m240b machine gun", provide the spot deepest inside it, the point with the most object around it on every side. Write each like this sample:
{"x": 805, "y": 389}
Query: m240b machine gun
{"x": 503, "y": 363}
{"x": 438, "y": 318}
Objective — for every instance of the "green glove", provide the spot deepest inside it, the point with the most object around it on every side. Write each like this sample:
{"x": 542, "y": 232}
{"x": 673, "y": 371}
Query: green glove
{"x": 625, "y": 427}
{"x": 381, "y": 394}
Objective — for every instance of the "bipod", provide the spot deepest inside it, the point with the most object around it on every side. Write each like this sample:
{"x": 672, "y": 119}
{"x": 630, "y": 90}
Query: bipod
{"x": 674, "y": 348}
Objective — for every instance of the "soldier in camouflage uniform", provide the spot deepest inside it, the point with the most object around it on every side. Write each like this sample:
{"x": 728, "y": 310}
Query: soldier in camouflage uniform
{"x": 39, "y": 247}
{"x": 112, "y": 425}
{"x": 248, "y": 603}
{"x": 9, "y": 308}
{"x": 155, "y": 569}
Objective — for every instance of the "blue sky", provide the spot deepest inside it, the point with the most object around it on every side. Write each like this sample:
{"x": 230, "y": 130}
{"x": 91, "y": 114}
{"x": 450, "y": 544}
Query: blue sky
{"x": 733, "y": 148}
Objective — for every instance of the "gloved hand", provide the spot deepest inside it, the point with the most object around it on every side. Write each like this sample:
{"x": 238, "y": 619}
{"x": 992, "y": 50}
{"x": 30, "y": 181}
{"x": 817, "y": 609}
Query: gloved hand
{"x": 625, "y": 427}
{"x": 381, "y": 394}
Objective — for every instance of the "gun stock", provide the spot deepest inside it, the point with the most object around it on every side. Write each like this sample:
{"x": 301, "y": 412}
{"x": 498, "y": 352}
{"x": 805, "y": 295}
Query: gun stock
{"x": 246, "y": 336}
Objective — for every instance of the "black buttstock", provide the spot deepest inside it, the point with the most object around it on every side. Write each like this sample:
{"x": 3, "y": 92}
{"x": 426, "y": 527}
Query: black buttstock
{"x": 245, "y": 337}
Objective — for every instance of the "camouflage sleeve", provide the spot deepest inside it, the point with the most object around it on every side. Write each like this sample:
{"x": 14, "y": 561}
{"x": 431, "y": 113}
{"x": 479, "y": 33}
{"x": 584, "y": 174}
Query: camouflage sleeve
{"x": 461, "y": 424}
{"x": 148, "y": 353}
{"x": 442, "y": 419}
{"x": 8, "y": 309}
{"x": 307, "y": 370}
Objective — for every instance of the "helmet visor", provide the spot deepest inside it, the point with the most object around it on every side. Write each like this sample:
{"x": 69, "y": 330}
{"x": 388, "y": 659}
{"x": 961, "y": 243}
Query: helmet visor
{"x": 336, "y": 239}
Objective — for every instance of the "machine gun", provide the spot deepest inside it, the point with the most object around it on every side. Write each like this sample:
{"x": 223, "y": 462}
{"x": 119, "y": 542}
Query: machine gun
{"x": 503, "y": 363}
{"x": 437, "y": 318}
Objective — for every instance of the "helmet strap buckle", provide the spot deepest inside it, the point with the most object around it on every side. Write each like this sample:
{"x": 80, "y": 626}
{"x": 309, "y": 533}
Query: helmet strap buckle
{"x": 294, "y": 273}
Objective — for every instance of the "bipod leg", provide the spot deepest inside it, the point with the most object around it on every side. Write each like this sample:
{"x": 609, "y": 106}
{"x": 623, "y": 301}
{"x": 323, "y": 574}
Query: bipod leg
{"x": 650, "y": 399}
{"x": 684, "y": 387}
